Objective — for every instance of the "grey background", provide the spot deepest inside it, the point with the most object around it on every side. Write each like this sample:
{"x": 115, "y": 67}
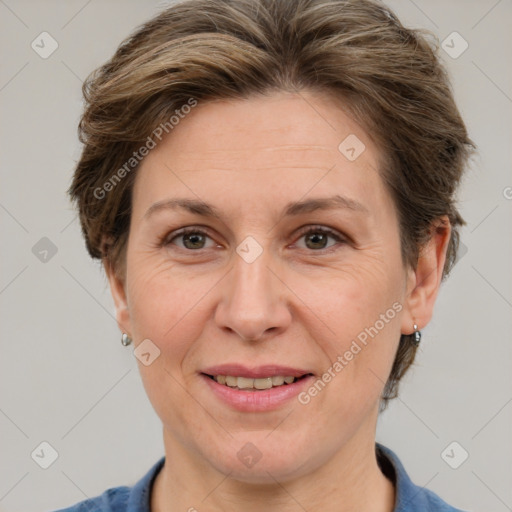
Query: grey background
{"x": 65, "y": 377}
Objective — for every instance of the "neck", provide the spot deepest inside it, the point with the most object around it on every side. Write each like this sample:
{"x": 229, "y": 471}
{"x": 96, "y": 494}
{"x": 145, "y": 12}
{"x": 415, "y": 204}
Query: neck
{"x": 351, "y": 480}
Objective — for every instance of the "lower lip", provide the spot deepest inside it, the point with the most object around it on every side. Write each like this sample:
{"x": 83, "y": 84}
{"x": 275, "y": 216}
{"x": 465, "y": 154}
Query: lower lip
{"x": 262, "y": 400}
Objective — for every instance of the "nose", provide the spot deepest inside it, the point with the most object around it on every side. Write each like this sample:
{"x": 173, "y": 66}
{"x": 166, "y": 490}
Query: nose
{"x": 254, "y": 300}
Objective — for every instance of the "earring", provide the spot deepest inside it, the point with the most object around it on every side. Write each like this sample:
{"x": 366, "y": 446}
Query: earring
{"x": 416, "y": 337}
{"x": 125, "y": 339}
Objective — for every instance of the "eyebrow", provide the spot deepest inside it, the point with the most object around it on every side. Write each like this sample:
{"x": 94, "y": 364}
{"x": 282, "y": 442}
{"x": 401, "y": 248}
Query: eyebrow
{"x": 204, "y": 209}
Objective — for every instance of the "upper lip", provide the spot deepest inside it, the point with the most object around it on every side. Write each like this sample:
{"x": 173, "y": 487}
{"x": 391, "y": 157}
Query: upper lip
{"x": 257, "y": 372}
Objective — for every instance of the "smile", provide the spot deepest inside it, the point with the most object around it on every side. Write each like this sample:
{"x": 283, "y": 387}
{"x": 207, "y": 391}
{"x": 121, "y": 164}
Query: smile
{"x": 260, "y": 389}
{"x": 247, "y": 383}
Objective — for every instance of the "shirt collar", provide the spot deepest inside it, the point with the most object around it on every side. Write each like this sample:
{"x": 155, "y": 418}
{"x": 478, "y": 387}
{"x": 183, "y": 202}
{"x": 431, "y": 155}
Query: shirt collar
{"x": 409, "y": 497}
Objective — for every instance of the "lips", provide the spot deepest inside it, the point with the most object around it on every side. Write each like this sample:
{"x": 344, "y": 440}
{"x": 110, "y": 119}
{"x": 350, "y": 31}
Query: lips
{"x": 255, "y": 395}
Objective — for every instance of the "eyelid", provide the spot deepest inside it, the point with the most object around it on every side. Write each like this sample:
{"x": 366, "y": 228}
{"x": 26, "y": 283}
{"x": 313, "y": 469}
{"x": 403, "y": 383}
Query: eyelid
{"x": 320, "y": 227}
{"x": 203, "y": 230}
{"x": 168, "y": 237}
{"x": 333, "y": 233}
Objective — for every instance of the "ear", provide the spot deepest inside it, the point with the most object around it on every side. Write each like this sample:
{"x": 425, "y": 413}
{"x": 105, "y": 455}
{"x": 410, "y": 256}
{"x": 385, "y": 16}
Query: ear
{"x": 118, "y": 290}
{"x": 423, "y": 283}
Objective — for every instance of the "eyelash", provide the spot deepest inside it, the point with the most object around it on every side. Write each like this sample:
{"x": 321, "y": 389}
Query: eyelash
{"x": 165, "y": 240}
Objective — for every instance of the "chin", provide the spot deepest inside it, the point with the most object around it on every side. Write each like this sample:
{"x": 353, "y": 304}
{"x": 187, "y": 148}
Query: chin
{"x": 263, "y": 461}
{"x": 263, "y": 472}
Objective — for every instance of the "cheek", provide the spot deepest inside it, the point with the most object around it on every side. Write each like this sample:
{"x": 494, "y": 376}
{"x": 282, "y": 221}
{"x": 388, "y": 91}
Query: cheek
{"x": 353, "y": 294}
{"x": 357, "y": 317}
{"x": 164, "y": 308}
{"x": 162, "y": 302}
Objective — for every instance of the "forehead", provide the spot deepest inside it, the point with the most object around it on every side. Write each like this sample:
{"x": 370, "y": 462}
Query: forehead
{"x": 289, "y": 141}
{"x": 285, "y": 122}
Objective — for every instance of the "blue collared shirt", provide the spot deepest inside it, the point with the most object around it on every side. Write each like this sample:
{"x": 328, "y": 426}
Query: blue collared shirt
{"x": 409, "y": 497}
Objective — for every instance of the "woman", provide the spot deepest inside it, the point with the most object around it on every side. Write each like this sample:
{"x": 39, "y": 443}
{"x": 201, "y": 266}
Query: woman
{"x": 270, "y": 187}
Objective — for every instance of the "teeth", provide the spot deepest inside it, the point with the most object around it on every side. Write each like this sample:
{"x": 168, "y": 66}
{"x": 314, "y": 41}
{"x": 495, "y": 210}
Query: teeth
{"x": 244, "y": 383}
{"x": 262, "y": 383}
{"x": 231, "y": 381}
{"x": 277, "y": 381}
{"x": 247, "y": 383}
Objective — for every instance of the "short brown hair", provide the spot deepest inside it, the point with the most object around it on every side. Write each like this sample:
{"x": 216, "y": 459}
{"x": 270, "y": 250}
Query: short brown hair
{"x": 389, "y": 77}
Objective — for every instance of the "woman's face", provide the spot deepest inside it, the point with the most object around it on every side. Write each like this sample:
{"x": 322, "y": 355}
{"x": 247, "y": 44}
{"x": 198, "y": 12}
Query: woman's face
{"x": 290, "y": 267}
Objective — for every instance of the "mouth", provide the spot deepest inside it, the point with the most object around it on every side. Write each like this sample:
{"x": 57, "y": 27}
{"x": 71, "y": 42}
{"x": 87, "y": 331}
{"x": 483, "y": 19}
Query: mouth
{"x": 257, "y": 389}
{"x": 244, "y": 383}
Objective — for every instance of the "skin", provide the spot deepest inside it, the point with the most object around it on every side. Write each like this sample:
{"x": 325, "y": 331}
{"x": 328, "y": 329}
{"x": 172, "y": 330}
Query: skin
{"x": 300, "y": 303}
